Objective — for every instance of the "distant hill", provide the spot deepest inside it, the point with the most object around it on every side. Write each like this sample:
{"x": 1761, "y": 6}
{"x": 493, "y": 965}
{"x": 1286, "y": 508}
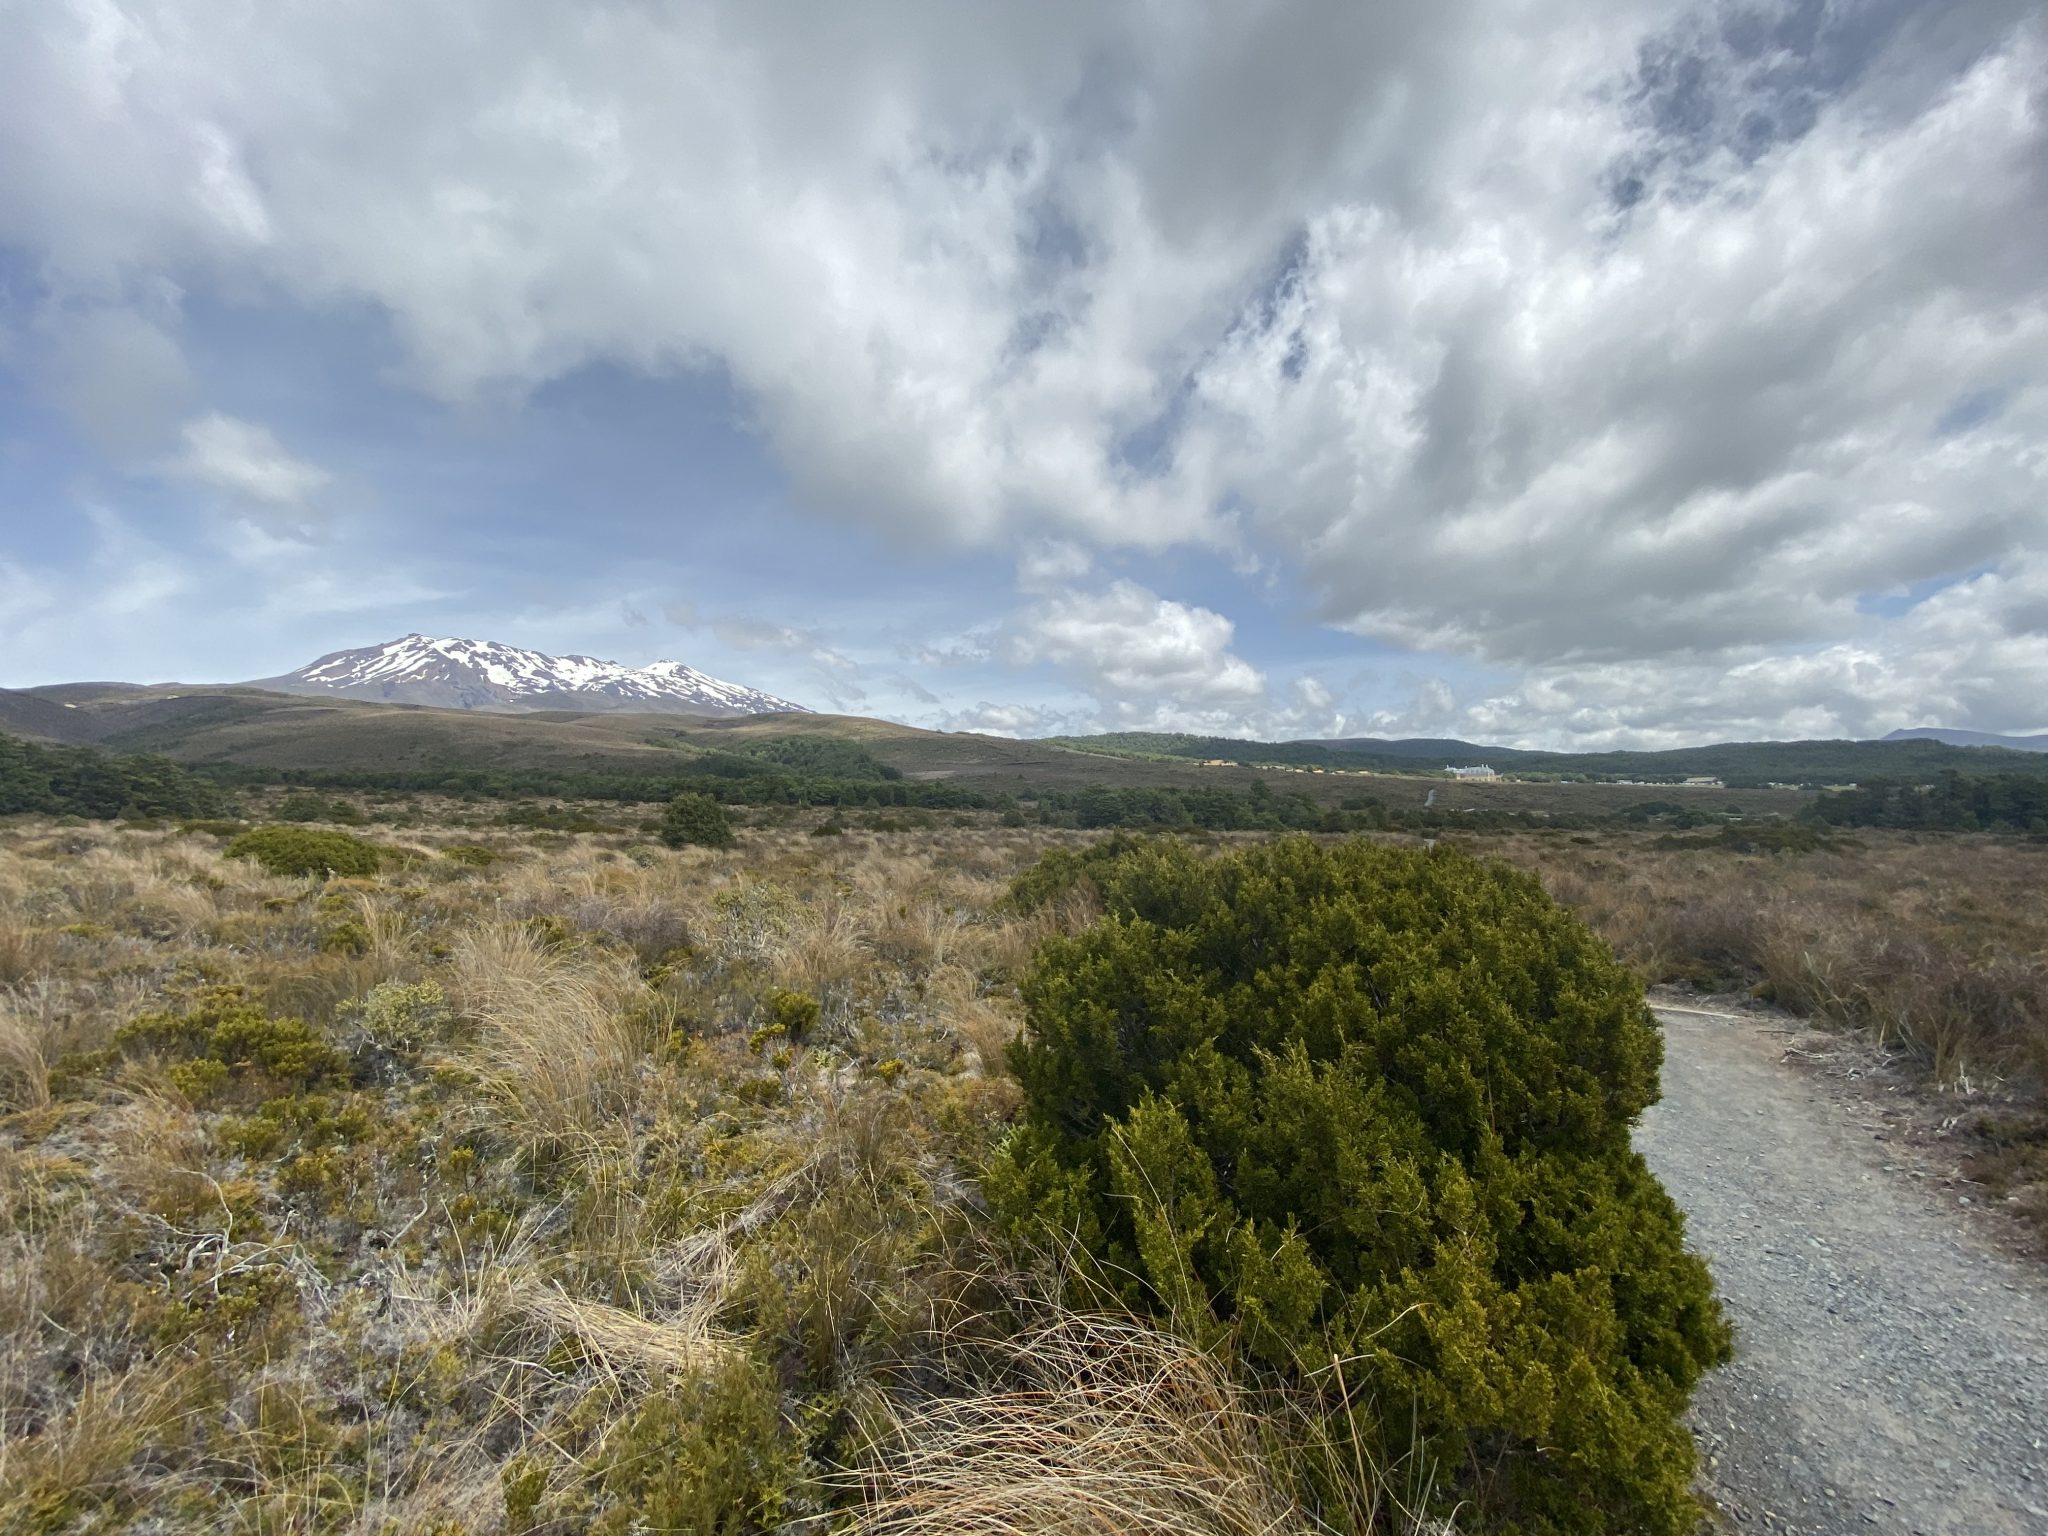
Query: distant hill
{"x": 1737, "y": 763}
{"x": 39, "y": 718}
{"x": 453, "y": 673}
{"x": 1971, "y": 739}
{"x": 247, "y": 728}
{"x": 1427, "y": 748}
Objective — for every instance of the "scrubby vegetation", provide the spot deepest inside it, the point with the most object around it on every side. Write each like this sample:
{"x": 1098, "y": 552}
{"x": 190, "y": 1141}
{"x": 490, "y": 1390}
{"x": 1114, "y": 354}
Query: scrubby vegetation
{"x": 1953, "y": 802}
{"x": 1364, "y": 1112}
{"x": 592, "y": 1187}
{"x": 545, "y": 1182}
{"x": 79, "y": 781}
{"x": 305, "y": 851}
{"x": 1745, "y": 763}
{"x": 695, "y": 821}
{"x": 549, "y": 1180}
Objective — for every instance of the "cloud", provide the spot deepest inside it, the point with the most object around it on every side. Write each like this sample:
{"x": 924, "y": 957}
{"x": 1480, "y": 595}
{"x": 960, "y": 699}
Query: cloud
{"x": 1132, "y": 648}
{"x": 749, "y": 634}
{"x": 991, "y": 719}
{"x": 1052, "y": 564}
{"x": 247, "y": 464}
{"x": 1976, "y": 651}
{"x": 1711, "y": 425}
{"x": 1628, "y": 360}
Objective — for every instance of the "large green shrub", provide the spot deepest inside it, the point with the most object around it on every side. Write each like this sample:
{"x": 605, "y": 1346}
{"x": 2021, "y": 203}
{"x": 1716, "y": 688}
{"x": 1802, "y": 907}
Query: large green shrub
{"x": 697, "y": 819}
{"x": 304, "y": 851}
{"x": 1373, "y": 1105}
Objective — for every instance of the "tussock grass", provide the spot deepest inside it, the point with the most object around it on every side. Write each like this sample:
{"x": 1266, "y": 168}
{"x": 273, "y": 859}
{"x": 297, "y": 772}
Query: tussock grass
{"x": 554, "y": 1042}
{"x": 1938, "y": 946}
{"x": 1100, "y": 1422}
{"x": 624, "y": 1145}
{"x": 667, "y": 1214}
{"x": 1103, "y": 1424}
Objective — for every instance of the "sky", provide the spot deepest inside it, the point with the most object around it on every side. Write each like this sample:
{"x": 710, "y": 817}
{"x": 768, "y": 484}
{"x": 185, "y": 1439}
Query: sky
{"x": 1541, "y": 373}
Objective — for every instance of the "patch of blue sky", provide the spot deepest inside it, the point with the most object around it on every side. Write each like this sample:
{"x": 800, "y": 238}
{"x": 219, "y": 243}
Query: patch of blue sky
{"x": 1899, "y": 601}
{"x": 1968, "y": 412}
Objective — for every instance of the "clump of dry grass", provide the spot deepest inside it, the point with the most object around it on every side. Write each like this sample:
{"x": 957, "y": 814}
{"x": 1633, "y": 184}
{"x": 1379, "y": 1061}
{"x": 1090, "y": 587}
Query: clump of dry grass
{"x": 1097, "y": 1423}
{"x": 1935, "y": 945}
{"x": 555, "y": 1042}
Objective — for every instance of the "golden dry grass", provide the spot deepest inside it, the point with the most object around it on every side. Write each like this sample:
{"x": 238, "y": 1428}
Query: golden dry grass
{"x": 566, "y": 1171}
{"x": 579, "y": 1172}
{"x": 1101, "y": 1424}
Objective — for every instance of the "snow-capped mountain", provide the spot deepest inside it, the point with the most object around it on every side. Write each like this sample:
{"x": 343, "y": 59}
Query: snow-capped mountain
{"x": 481, "y": 674}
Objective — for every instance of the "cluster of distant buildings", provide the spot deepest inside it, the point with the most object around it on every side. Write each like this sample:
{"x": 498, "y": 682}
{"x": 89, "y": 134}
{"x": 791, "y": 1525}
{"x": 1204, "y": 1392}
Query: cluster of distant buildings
{"x": 1485, "y": 771}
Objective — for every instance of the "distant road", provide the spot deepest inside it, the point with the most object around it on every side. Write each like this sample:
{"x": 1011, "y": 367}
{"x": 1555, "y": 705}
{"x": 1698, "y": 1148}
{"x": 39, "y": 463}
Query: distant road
{"x": 1891, "y": 1371}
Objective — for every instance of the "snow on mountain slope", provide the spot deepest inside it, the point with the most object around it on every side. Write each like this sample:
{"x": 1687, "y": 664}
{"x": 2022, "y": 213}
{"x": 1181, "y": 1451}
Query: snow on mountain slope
{"x": 452, "y": 673}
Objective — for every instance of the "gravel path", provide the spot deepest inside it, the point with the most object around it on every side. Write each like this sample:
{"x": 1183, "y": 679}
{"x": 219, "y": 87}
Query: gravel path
{"x": 1891, "y": 1371}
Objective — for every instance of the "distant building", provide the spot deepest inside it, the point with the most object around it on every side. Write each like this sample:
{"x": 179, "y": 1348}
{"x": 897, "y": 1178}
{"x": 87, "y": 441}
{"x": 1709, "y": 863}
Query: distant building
{"x": 1704, "y": 781}
{"x": 1481, "y": 771}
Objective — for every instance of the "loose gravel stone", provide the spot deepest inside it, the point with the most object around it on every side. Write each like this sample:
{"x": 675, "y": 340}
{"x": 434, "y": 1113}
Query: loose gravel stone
{"x": 1891, "y": 1369}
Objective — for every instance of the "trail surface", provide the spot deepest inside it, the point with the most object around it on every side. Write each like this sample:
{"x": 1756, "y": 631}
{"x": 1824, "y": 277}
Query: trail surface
{"x": 1891, "y": 1370}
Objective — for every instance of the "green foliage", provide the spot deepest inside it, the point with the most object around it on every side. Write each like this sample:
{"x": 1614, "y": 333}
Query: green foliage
{"x": 225, "y": 1047}
{"x": 1952, "y": 803}
{"x": 794, "y": 1013}
{"x": 1736, "y": 763}
{"x": 399, "y": 1017}
{"x": 822, "y": 757}
{"x": 728, "y": 777}
{"x": 705, "y": 1457}
{"x": 303, "y": 851}
{"x": 1759, "y": 837}
{"x": 212, "y": 827}
{"x": 475, "y": 855}
{"x": 553, "y": 818}
{"x": 695, "y": 820}
{"x": 302, "y": 805}
{"x": 82, "y": 781}
{"x": 1062, "y": 870}
{"x": 1373, "y": 1104}
{"x": 1214, "y": 809}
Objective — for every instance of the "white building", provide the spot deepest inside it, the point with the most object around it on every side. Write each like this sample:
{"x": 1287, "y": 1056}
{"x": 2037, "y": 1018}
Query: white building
{"x": 1481, "y": 771}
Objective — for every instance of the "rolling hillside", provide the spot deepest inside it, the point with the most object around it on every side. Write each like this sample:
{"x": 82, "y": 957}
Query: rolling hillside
{"x": 1739, "y": 763}
{"x": 239, "y": 729}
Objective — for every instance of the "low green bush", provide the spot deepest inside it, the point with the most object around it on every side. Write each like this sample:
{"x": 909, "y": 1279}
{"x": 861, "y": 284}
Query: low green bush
{"x": 1759, "y": 837}
{"x": 223, "y": 1047}
{"x": 695, "y": 820}
{"x": 1372, "y": 1105}
{"x": 304, "y": 851}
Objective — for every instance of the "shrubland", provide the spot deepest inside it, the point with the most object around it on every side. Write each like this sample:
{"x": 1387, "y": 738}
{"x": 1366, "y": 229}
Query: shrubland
{"x": 573, "y": 1186}
{"x": 551, "y": 1180}
{"x": 541, "y": 1181}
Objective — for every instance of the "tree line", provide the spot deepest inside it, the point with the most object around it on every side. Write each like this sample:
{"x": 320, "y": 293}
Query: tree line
{"x": 1952, "y": 803}
{"x": 82, "y": 781}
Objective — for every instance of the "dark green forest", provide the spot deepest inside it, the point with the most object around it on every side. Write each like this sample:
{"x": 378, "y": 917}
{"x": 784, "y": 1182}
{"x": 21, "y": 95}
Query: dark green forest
{"x": 79, "y": 781}
{"x": 1952, "y": 803}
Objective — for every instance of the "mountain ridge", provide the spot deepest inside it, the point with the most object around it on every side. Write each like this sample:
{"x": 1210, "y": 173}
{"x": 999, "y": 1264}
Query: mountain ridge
{"x": 1954, "y": 738}
{"x": 450, "y": 672}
